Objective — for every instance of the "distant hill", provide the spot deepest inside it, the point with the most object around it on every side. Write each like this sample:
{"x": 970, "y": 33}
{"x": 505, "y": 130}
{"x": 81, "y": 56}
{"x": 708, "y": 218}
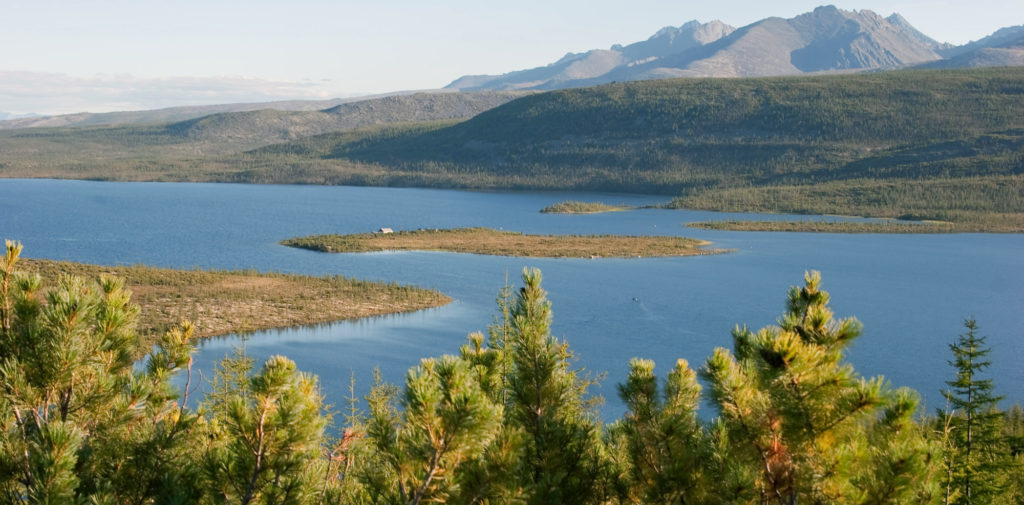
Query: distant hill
{"x": 245, "y": 130}
{"x": 7, "y": 115}
{"x": 405, "y": 106}
{"x": 942, "y": 144}
{"x": 228, "y": 132}
{"x": 827, "y": 39}
{"x": 157, "y": 116}
{"x": 1000, "y": 54}
{"x": 1001, "y": 38}
{"x": 654, "y": 132}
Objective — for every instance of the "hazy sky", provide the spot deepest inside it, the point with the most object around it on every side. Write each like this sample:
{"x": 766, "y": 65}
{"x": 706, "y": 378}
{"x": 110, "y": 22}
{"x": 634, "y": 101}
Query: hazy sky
{"x": 113, "y": 55}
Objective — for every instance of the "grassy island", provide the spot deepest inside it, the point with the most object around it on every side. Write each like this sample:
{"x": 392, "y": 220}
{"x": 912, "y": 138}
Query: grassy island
{"x": 505, "y": 243}
{"x": 831, "y": 226}
{"x": 221, "y": 302}
{"x": 577, "y": 207}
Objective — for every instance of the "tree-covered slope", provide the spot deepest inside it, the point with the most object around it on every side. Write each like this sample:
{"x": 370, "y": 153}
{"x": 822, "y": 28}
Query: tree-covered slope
{"x": 680, "y": 126}
{"x": 940, "y": 144}
{"x": 698, "y": 136}
{"x": 768, "y": 127}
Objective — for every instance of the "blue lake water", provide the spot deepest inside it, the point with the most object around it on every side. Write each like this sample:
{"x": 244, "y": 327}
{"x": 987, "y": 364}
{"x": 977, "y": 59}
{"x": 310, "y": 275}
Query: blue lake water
{"x": 912, "y": 292}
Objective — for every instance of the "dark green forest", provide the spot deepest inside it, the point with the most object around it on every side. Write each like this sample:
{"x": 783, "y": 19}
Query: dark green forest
{"x": 945, "y": 145}
{"x": 506, "y": 418}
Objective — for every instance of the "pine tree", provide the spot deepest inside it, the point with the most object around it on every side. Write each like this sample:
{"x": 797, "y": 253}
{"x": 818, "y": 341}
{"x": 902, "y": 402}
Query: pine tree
{"x": 506, "y": 421}
{"x": 266, "y": 442}
{"x": 73, "y": 408}
{"x": 797, "y": 422}
{"x": 447, "y": 425}
{"x": 978, "y": 453}
{"x": 546, "y": 399}
{"x": 666, "y": 446}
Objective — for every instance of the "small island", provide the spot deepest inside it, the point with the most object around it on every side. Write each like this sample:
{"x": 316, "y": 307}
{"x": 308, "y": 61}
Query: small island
{"x": 577, "y": 207}
{"x": 506, "y": 243}
{"x": 222, "y": 302}
{"x": 812, "y": 226}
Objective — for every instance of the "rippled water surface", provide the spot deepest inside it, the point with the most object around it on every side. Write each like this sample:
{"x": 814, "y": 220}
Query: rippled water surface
{"x": 910, "y": 291}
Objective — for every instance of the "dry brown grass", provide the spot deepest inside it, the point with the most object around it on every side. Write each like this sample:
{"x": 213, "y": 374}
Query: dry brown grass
{"x": 506, "y": 243}
{"x": 222, "y": 302}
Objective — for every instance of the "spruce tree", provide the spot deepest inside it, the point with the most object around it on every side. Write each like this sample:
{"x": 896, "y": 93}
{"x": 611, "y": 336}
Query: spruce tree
{"x": 978, "y": 453}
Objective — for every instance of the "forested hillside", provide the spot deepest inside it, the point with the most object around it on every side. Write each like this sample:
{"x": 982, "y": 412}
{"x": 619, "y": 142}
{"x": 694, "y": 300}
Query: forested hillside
{"x": 935, "y": 144}
{"x": 682, "y": 134}
{"x": 940, "y": 144}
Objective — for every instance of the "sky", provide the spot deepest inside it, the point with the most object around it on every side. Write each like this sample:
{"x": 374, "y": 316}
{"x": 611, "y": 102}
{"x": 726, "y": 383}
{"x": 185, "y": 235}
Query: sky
{"x": 89, "y": 55}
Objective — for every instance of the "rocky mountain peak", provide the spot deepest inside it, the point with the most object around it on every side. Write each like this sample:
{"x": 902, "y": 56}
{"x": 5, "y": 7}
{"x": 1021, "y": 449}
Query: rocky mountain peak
{"x": 824, "y": 40}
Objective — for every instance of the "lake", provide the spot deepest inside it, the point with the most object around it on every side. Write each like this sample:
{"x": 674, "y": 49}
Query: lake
{"x": 912, "y": 292}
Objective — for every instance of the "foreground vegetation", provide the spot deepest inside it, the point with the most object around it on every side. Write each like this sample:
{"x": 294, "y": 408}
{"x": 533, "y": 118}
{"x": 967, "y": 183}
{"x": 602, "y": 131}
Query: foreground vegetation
{"x": 577, "y": 207}
{"x": 945, "y": 145}
{"x": 504, "y": 243}
{"x": 506, "y": 419}
{"x": 220, "y": 302}
{"x": 818, "y": 226}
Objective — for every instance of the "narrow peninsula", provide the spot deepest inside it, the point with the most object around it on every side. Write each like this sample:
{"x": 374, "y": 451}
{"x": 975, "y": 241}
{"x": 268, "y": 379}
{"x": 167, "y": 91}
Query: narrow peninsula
{"x": 817, "y": 226}
{"x": 505, "y": 243}
{"x": 222, "y": 302}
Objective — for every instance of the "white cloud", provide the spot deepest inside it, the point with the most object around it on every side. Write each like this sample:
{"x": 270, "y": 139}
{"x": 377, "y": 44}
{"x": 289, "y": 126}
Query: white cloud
{"x": 51, "y": 93}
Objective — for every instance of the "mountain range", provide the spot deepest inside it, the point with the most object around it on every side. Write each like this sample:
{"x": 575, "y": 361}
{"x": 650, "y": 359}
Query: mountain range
{"x": 825, "y": 40}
